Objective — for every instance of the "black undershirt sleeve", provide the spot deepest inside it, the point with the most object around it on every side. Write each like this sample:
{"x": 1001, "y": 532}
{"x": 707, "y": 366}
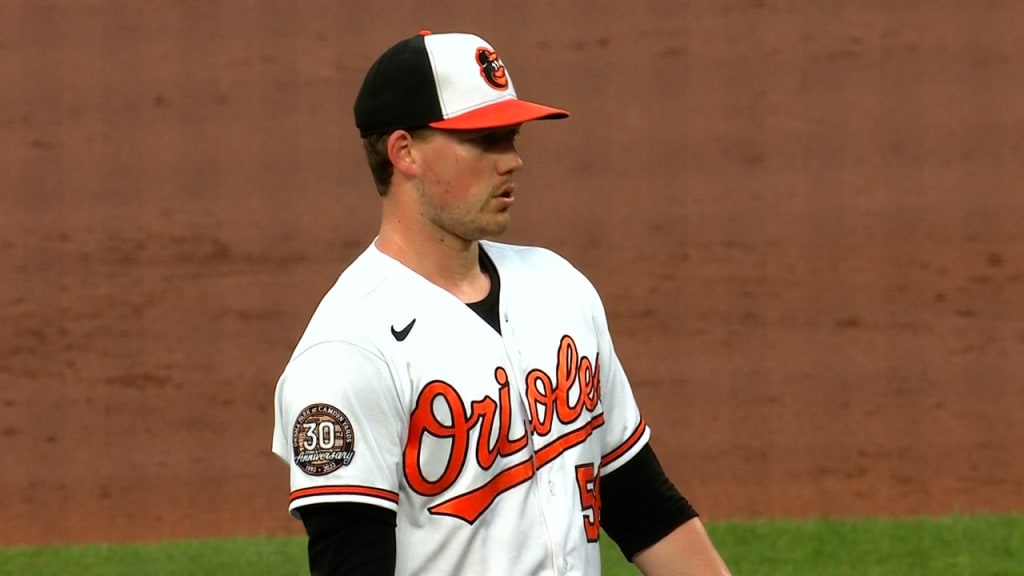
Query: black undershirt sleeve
{"x": 350, "y": 539}
{"x": 640, "y": 505}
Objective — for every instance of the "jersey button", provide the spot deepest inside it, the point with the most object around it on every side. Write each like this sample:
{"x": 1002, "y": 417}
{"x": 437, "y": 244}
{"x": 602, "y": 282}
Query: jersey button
{"x": 565, "y": 564}
{"x": 551, "y": 488}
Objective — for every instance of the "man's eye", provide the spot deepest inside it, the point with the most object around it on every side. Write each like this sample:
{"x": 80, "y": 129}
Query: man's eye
{"x": 497, "y": 139}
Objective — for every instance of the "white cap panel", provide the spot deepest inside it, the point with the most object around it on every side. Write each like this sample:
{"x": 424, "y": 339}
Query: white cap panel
{"x": 463, "y": 82}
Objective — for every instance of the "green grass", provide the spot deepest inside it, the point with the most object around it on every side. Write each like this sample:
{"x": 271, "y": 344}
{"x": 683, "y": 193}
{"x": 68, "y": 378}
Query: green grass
{"x": 243, "y": 556}
{"x": 960, "y": 546}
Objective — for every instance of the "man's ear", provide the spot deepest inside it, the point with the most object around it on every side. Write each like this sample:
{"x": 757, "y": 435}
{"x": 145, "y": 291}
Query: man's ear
{"x": 402, "y": 153}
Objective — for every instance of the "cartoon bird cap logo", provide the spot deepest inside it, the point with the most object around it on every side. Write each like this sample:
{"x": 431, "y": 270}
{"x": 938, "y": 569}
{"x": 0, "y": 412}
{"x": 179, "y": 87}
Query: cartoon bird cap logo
{"x": 491, "y": 68}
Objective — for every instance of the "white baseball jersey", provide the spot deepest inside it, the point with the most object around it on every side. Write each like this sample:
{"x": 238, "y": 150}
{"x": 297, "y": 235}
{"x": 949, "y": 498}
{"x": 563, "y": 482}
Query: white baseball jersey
{"x": 488, "y": 446}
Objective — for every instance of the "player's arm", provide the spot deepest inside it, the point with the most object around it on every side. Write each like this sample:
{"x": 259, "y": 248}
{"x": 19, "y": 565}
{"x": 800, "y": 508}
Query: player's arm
{"x": 338, "y": 424}
{"x": 641, "y": 510}
{"x": 350, "y": 539}
{"x": 653, "y": 524}
{"x": 686, "y": 551}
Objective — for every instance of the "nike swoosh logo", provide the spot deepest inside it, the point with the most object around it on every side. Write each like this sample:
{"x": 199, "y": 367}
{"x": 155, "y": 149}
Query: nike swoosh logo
{"x": 404, "y": 332}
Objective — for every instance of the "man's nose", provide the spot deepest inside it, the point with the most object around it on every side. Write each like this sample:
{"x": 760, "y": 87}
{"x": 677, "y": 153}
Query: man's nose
{"x": 511, "y": 161}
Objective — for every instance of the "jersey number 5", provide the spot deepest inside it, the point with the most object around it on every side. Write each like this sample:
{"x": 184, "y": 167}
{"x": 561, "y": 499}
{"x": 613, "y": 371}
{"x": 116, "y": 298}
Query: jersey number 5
{"x": 589, "y": 484}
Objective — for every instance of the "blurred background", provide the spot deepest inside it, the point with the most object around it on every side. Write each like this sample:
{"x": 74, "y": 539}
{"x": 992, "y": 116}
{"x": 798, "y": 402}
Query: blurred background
{"x": 804, "y": 219}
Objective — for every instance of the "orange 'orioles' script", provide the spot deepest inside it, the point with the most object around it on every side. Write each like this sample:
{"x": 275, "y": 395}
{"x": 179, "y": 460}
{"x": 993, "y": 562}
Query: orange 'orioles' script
{"x": 547, "y": 399}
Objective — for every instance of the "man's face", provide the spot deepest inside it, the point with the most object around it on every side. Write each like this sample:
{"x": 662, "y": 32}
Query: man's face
{"x": 467, "y": 184}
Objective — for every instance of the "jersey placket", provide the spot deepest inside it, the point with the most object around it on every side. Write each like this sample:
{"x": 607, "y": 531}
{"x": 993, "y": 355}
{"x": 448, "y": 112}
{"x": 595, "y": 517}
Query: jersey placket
{"x": 543, "y": 487}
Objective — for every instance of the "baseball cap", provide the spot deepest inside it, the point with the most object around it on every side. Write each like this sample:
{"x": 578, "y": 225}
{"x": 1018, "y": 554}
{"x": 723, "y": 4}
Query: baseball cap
{"x": 452, "y": 81}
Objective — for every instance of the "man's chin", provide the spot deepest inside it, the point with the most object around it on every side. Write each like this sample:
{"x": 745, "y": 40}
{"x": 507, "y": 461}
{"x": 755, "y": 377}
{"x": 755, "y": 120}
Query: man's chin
{"x": 491, "y": 236}
{"x": 495, "y": 229}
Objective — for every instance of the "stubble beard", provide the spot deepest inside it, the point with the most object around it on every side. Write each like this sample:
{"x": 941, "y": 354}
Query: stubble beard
{"x": 471, "y": 226}
{"x": 479, "y": 228}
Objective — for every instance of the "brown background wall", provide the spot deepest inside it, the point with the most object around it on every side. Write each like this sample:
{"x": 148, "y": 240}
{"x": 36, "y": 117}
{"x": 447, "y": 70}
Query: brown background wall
{"x": 805, "y": 222}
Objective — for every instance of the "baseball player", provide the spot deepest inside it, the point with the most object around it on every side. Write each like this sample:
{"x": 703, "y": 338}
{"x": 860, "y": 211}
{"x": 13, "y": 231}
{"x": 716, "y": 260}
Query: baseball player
{"x": 455, "y": 405}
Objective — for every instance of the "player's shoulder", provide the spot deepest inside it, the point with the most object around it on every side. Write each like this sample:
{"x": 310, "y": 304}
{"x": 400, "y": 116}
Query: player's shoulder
{"x": 537, "y": 262}
{"x": 357, "y": 300}
{"x": 358, "y": 286}
{"x": 535, "y": 258}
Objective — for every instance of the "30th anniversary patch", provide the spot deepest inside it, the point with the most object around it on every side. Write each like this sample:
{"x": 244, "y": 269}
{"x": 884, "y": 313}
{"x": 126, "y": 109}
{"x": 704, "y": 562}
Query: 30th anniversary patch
{"x": 322, "y": 440}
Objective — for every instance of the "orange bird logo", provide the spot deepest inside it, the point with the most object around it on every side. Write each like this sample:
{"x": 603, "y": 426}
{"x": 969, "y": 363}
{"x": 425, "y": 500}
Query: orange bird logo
{"x": 491, "y": 68}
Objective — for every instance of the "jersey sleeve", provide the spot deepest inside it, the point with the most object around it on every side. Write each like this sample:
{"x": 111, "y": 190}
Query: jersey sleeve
{"x": 339, "y": 425}
{"x": 625, "y": 430}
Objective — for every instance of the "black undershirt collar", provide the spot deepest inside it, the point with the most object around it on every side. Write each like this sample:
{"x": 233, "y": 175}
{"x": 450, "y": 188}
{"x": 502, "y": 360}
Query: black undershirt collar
{"x": 487, "y": 308}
